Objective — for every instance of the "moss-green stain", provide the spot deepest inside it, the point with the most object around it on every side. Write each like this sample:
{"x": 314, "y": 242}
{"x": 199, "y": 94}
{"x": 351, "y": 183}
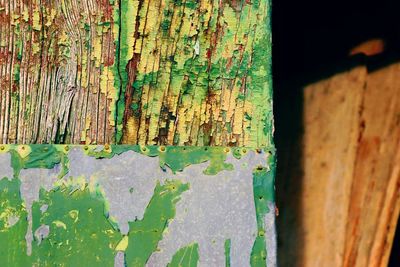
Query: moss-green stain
{"x": 186, "y": 257}
{"x": 80, "y": 230}
{"x": 38, "y": 156}
{"x": 263, "y": 190}
{"x": 13, "y": 224}
{"x": 145, "y": 234}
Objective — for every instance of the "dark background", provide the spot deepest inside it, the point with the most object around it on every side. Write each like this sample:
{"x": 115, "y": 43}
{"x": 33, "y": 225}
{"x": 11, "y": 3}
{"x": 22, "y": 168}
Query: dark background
{"x": 313, "y": 38}
{"x": 311, "y": 41}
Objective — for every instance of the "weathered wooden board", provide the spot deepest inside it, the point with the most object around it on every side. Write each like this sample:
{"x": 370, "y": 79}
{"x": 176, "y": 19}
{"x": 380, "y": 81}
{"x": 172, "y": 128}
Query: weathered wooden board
{"x": 139, "y": 206}
{"x": 166, "y": 72}
{"x": 344, "y": 208}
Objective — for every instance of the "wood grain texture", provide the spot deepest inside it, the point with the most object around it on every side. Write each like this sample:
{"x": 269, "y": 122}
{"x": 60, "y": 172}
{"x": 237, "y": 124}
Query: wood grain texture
{"x": 348, "y": 187}
{"x": 167, "y": 72}
{"x": 53, "y": 59}
{"x": 375, "y": 191}
{"x": 331, "y": 124}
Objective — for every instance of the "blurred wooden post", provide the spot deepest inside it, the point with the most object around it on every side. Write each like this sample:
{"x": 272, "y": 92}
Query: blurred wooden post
{"x": 351, "y": 168}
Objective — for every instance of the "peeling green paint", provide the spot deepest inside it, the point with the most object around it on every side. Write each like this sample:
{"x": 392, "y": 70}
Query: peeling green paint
{"x": 264, "y": 194}
{"x": 227, "y": 246}
{"x": 171, "y": 72}
{"x": 175, "y": 158}
{"x": 140, "y": 72}
{"x": 178, "y": 158}
{"x": 13, "y": 224}
{"x": 38, "y": 156}
{"x": 186, "y": 257}
{"x": 145, "y": 234}
{"x": 80, "y": 229}
{"x": 77, "y": 214}
{"x": 126, "y": 18}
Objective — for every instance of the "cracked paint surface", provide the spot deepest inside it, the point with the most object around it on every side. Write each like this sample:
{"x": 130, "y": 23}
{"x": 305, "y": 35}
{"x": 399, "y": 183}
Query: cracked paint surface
{"x": 110, "y": 211}
{"x": 167, "y": 72}
{"x": 186, "y": 83}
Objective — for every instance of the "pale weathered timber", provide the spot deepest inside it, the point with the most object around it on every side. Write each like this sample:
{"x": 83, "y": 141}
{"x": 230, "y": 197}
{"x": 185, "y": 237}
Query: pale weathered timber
{"x": 375, "y": 192}
{"x": 348, "y": 188}
{"x": 135, "y": 71}
{"x": 331, "y": 110}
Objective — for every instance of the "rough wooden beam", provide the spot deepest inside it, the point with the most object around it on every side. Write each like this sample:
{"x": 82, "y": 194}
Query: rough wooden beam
{"x": 331, "y": 122}
{"x": 375, "y": 191}
{"x": 343, "y": 204}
